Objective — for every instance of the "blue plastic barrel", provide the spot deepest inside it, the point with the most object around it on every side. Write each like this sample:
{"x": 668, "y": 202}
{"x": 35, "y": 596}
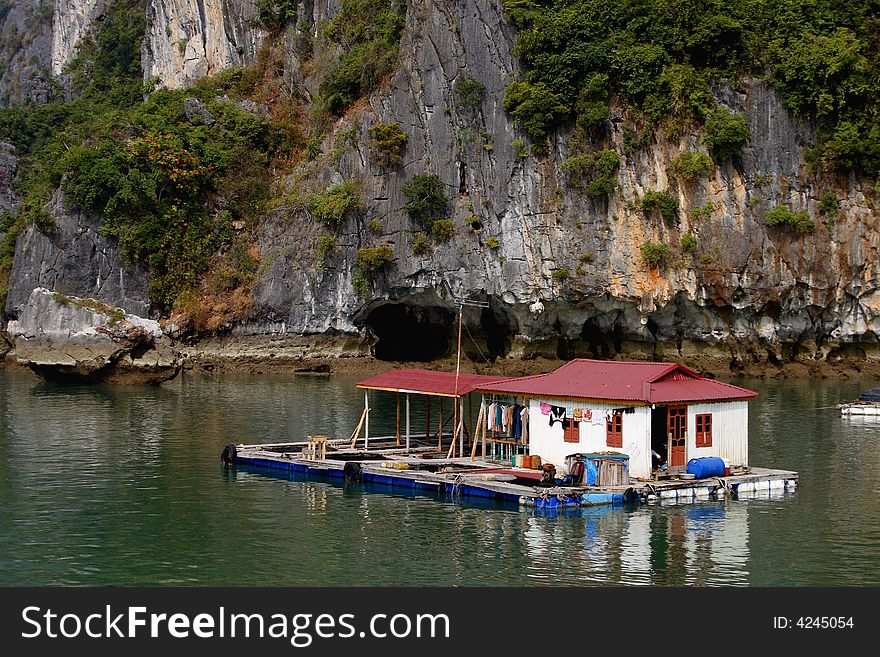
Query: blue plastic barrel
{"x": 707, "y": 466}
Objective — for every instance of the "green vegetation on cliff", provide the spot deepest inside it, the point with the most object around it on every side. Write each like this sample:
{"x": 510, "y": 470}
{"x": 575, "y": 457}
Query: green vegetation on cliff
{"x": 782, "y": 215}
{"x": 426, "y": 199}
{"x": 661, "y": 56}
{"x": 167, "y": 176}
{"x": 367, "y": 34}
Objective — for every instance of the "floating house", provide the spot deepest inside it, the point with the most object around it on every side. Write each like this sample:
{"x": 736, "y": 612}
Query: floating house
{"x": 631, "y": 408}
{"x": 590, "y": 432}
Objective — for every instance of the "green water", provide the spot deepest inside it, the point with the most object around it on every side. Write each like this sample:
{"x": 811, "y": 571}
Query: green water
{"x": 123, "y": 486}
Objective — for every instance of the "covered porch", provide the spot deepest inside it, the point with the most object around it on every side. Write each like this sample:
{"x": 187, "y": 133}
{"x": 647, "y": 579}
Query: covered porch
{"x": 451, "y": 427}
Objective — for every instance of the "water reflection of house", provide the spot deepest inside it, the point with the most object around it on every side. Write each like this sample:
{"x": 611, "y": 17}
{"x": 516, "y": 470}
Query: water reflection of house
{"x": 632, "y": 408}
{"x": 696, "y": 544}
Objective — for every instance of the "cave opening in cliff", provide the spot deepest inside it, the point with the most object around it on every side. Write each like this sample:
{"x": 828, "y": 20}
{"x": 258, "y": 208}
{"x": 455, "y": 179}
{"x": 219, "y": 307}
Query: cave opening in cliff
{"x": 603, "y": 341}
{"x": 411, "y": 333}
{"x": 496, "y": 330}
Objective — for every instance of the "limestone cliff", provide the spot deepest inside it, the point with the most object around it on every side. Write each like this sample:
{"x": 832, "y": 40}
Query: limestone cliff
{"x": 69, "y": 338}
{"x": 75, "y": 259}
{"x": 562, "y": 273}
{"x": 8, "y": 169}
{"x": 71, "y": 21}
{"x": 189, "y": 39}
{"x": 756, "y": 289}
{"x": 25, "y": 51}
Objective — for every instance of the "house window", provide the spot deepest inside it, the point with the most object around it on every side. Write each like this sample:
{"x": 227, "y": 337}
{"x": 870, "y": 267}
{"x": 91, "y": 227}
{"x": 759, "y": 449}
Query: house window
{"x": 704, "y": 430}
{"x": 614, "y": 430}
{"x": 571, "y": 432}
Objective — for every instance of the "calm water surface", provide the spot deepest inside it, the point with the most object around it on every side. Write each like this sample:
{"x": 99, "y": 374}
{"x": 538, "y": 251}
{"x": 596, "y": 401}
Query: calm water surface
{"x": 123, "y": 485}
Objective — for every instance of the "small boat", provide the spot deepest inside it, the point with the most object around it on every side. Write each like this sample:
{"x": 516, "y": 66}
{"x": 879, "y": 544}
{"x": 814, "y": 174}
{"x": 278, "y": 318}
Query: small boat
{"x": 868, "y": 403}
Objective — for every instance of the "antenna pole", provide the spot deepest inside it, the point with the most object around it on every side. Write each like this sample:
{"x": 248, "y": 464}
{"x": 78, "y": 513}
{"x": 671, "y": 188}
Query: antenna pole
{"x": 457, "y": 370}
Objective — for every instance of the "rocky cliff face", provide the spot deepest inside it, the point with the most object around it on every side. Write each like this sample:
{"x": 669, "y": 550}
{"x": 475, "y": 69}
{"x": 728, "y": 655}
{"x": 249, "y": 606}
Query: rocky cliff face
{"x": 185, "y": 41}
{"x": 8, "y": 169}
{"x": 189, "y": 39}
{"x": 75, "y": 259}
{"x": 25, "y": 51}
{"x": 566, "y": 277}
{"x": 69, "y": 338}
{"x": 751, "y": 291}
{"x": 70, "y": 23}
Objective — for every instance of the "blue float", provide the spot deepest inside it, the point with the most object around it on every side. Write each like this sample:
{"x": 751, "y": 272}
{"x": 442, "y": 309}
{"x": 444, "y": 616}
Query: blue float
{"x": 707, "y": 466}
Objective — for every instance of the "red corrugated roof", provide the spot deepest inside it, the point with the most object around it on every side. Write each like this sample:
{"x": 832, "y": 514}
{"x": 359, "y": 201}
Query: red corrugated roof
{"x": 621, "y": 381}
{"x": 428, "y": 382}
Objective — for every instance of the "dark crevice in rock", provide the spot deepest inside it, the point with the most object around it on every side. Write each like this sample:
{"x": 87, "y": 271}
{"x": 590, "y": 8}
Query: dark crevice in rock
{"x": 406, "y": 332}
{"x": 604, "y": 338}
{"x": 498, "y": 331}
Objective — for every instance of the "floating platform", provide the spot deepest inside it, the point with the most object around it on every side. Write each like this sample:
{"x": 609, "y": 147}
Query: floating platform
{"x": 870, "y": 409}
{"x": 424, "y": 468}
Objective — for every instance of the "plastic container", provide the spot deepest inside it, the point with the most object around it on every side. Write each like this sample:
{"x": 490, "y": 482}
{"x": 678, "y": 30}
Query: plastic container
{"x": 707, "y": 466}
{"x": 726, "y": 467}
{"x": 520, "y": 461}
{"x": 535, "y": 462}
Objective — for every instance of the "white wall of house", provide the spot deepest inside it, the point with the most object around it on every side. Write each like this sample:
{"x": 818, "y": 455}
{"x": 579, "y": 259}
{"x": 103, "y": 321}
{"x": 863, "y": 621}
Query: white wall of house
{"x": 548, "y": 443}
{"x": 730, "y": 431}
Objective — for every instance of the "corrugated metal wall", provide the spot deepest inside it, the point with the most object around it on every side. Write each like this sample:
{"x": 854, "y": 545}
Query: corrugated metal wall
{"x": 730, "y": 431}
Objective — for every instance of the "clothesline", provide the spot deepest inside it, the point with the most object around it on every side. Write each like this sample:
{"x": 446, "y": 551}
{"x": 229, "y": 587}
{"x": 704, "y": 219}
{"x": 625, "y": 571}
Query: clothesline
{"x": 579, "y": 414}
{"x": 512, "y": 419}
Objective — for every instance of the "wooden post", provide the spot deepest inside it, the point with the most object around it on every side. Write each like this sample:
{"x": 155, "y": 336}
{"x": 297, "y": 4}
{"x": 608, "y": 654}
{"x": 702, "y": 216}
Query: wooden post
{"x": 398, "y": 419}
{"x": 455, "y": 409}
{"x": 357, "y": 430}
{"x": 470, "y": 415}
{"x": 483, "y": 430}
{"x": 481, "y": 422}
{"x": 367, "y": 421}
{"x": 457, "y": 433}
{"x": 461, "y": 429}
{"x": 407, "y": 422}
{"x": 428, "y": 419}
{"x": 440, "y": 424}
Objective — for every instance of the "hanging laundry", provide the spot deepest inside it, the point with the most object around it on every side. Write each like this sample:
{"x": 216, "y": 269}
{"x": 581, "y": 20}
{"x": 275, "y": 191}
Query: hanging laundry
{"x": 545, "y": 408}
{"x": 524, "y": 414}
{"x": 499, "y": 417}
{"x": 587, "y": 414}
{"x": 516, "y": 421}
{"x": 557, "y": 414}
{"x": 491, "y": 422}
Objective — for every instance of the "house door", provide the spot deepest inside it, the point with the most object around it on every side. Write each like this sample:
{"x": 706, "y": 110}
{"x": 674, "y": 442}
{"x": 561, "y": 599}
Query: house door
{"x": 676, "y": 429}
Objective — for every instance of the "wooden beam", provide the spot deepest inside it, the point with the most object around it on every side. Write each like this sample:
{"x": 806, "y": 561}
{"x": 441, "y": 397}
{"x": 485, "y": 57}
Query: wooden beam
{"x": 428, "y": 419}
{"x": 357, "y": 430}
{"x": 440, "y": 427}
{"x": 398, "y": 419}
{"x": 460, "y": 404}
{"x": 407, "y": 422}
{"x": 481, "y": 422}
{"x": 367, "y": 420}
{"x": 456, "y": 434}
{"x": 483, "y": 429}
{"x": 451, "y": 452}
